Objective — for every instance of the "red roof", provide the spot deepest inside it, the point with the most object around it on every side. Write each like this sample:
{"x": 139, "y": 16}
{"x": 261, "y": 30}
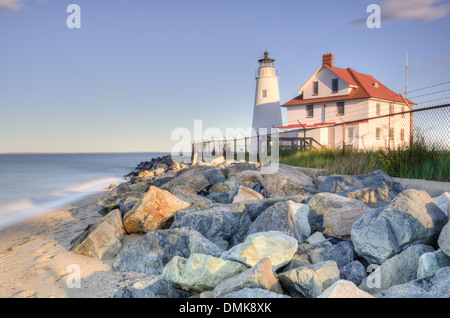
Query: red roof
{"x": 365, "y": 88}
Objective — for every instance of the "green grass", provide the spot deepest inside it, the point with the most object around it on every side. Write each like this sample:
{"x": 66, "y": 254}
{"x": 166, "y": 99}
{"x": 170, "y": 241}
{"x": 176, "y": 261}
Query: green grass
{"x": 422, "y": 161}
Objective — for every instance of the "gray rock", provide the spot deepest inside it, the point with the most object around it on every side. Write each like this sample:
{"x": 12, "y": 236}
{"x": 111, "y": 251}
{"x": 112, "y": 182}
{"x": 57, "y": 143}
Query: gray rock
{"x": 255, "y": 207}
{"x": 310, "y": 281}
{"x": 443, "y": 202}
{"x": 375, "y": 189}
{"x": 277, "y": 246}
{"x": 317, "y": 238}
{"x": 298, "y": 260}
{"x": 151, "y": 252}
{"x": 186, "y": 182}
{"x": 259, "y": 276}
{"x": 444, "y": 239}
{"x": 287, "y": 217}
{"x": 429, "y": 287}
{"x": 354, "y": 272}
{"x": 213, "y": 175}
{"x": 411, "y": 218}
{"x": 400, "y": 269}
{"x": 108, "y": 203}
{"x": 342, "y": 253}
{"x": 200, "y": 272}
{"x": 226, "y": 222}
{"x": 155, "y": 287}
{"x": 287, "y": 181}
{"x": 430, "y": 263}
{"x": 225, "y": 186}
{"x": 253, "y": 293}
{"x": 201, "y": 245}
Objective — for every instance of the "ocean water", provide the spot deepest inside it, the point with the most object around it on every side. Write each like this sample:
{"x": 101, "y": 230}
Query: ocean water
{"x": 35, "y": 183}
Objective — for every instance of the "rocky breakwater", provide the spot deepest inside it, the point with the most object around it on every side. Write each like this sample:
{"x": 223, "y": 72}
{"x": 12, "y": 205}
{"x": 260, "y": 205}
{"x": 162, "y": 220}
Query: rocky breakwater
{"x": 228, "y": 230}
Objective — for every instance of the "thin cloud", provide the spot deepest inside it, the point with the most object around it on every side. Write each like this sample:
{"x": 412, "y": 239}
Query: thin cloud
{"x": 417, "y": 11}
{"x": 414, "y": 10}
{"x": 10, "y": 5}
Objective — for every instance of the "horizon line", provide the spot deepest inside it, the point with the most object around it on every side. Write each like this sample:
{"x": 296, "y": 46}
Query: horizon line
{"x": 78, "y": 152}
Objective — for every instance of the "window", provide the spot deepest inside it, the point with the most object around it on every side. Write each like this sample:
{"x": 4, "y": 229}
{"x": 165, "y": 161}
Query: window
{"x": 264, "y": 93}
{"x": 340, "y": 108}
{"x": 391, "y": 109}
{"x": 391, "y": 134}
{"x": 309, "y": 111}
{"x": 402, "y": 134}
{"x": 315, "y": 88}
{"x": 377, "y": 133}
{"x": 334, "y": 85}
{"x": 403, "y": 115}
{"x": 378, "y": 110}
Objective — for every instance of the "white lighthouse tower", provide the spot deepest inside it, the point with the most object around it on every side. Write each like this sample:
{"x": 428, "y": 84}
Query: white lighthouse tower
{"x": 267, "y": 111}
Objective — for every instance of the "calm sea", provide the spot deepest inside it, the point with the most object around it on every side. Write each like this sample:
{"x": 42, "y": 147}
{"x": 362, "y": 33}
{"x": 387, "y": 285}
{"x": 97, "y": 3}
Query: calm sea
{"x": 34, "y": 183}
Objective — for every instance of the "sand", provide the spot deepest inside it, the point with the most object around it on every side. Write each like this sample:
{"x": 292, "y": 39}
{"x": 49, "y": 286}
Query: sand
{"x": 35, "y": 261}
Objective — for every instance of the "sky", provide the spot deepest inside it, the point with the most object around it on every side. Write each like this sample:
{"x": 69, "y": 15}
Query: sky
{"x": 138, "y": 69}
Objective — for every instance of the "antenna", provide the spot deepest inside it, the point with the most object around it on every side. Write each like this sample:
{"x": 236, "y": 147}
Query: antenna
{"x": 406, "y": 74}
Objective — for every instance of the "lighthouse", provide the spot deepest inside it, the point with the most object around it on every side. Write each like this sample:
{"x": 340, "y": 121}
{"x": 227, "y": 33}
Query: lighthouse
{"x": 267, "y": 111}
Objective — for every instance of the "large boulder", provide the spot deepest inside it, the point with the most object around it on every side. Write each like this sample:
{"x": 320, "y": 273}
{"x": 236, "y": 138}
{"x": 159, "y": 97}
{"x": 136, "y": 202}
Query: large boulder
{"x": 375, "y": 189}
{"x": 186, "y": 182}
{"x": 288, "y": 217}
{"x": 259, "y": 276}
{"x": 154, "y": 287}
{"x": 217, "y": 221}
{"x": 104, "y": 239}
{"x": 430, "y": 263}
{"x": 411, "y": 218}
{"x": 323, "y": 202}
{"x": 150, "y": 253}
{"x": 429, "y": 287}
{"x": 200, "y": 272}
{"x": 277, "y": 246}
{"x": 213, "y": 175}
{"x": 155, "y": 211}
{"x": 444, "y": 239}
{"x": 287, "y": 181}
{"x": 400, "y": 269}
{"x": 310, "y": 281}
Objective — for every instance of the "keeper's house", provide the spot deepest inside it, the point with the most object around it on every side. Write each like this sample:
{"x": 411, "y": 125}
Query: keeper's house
{"x": 332, "y": 95}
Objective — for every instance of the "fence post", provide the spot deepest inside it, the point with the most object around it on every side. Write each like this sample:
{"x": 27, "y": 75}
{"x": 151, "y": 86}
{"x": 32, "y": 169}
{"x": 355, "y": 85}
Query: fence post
{"x": 411, "y": 127}
{"x": 343, "y": 133}
{"x": 304, "y": 135}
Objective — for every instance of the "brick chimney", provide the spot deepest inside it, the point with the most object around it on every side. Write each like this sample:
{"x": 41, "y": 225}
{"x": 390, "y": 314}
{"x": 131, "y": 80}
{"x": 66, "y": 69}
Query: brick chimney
{"x": 328, "y": 59}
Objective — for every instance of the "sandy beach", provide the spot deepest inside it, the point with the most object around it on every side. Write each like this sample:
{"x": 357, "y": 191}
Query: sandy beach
{"x": 35, "y": 261}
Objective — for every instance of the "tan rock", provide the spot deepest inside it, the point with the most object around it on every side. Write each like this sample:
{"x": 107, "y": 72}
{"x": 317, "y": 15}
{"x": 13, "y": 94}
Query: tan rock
{"x": 104, "y": 239}
{"x": 338, "y": 222}
{"x": 247, "y": 194}
{"x": 153, "y": 212}
{"x": 344, "y": 289}
{"x": 189, "y": 182}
